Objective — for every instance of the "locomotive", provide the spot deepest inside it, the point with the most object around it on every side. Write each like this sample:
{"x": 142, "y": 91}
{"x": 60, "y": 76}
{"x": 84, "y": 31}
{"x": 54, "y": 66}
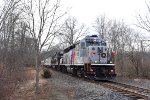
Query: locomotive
{"x": 89, "y": 58}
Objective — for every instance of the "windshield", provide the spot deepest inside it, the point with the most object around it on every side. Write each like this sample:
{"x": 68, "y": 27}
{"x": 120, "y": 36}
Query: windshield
{"x": 92, "y": 42}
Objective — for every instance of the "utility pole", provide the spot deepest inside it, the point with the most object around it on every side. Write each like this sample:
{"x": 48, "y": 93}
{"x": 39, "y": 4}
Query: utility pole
{"x": 142, "y": 55}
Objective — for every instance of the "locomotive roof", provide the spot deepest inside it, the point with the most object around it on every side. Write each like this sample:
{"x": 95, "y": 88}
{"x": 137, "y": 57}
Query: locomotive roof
{"x": 73, "y": 46}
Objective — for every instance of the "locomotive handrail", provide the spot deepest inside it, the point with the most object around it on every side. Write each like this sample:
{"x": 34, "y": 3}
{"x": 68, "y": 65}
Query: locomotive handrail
{"x": 104, "y": 64}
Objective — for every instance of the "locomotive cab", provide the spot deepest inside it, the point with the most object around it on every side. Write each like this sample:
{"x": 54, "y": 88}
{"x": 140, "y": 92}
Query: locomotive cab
{"x": 98, "y": 59}
{"x": 96, "y": 50}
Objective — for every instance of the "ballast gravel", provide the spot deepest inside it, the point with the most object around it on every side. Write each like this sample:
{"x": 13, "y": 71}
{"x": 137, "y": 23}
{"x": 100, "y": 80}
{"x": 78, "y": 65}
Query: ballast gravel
{"x": 143, "y": 83}
{"x": 74, "y": 88}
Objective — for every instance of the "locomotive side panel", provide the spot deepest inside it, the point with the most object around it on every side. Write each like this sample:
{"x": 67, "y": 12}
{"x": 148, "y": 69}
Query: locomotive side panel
{"x": 74, "y": 56}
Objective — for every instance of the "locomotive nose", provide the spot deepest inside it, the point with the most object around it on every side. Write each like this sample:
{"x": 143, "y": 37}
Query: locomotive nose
{"x": 93, "y": 51}
{"x": 93, "y": 54}
{"x": 98, "y": 54}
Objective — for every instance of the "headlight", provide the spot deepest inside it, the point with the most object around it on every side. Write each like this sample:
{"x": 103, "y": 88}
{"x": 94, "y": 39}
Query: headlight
{"x": 95, "y": 61}
{"x": 111, "y": 70}
{"x": 103, "y": 55}
{"x": 91, "y": 69}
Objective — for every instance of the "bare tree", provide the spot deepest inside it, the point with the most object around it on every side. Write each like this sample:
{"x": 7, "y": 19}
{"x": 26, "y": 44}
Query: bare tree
{"x": 8, "y": 19}
{"x": 42, "y": 18}
{"x": 72, "y": 31}
{"x": 144, "y": 20}
{"x": 12, "y": 43}
{"x": 134, "y": 51}
{"x": 101, "y": 25}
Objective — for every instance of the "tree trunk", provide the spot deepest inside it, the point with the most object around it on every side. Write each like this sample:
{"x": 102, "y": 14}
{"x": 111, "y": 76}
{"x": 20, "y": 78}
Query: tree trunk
{"x": 37, "y": 73}
{"x": 37, "y": 70}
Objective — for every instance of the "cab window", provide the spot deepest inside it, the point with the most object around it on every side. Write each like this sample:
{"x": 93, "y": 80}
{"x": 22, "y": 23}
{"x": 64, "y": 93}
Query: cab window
{"x": 82, "y": 45}
{"x": 103, "y": 43}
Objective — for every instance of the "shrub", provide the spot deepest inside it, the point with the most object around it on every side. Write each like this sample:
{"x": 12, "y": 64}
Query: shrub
{"x": 46, "y": 73}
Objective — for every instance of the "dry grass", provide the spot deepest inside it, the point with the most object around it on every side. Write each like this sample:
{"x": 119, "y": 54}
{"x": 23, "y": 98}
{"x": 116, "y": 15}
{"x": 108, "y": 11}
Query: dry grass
{"x": 10, "y": 79}
{"x": 48, "y": 90}
{"x": 26, "y": 90}
{"x": 20, "y": 85}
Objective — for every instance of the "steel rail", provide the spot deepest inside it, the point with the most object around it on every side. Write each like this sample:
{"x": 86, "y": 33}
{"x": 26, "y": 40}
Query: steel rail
{"x": 126, "y": 90}
{"x": 140, "y": 89}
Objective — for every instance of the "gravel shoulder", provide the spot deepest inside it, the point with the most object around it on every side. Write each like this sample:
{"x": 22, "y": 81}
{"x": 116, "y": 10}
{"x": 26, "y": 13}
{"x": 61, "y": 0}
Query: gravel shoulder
{"x": 65, "y": 87}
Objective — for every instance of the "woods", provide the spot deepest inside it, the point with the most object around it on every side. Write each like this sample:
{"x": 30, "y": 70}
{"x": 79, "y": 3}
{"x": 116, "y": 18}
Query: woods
{"x": 25, "y": 31}
{"x": 31, "y": 30}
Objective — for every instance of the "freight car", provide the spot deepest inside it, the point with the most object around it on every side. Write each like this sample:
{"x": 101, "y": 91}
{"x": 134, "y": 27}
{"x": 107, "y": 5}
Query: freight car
{"x": 89, "y": 58}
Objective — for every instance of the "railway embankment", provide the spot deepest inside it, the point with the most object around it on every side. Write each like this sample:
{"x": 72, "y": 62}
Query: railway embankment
{"x": 65, "y": 87}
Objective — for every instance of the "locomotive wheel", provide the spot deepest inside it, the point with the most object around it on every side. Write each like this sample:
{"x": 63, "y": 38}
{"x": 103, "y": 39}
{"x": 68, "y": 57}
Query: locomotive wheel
{"x": 65, "y": 70}
{"x": 59, "y": 68}
{"x": 79, "y": 73}
{"x": 83, "y": 74}
{"x": 74, "y": 72}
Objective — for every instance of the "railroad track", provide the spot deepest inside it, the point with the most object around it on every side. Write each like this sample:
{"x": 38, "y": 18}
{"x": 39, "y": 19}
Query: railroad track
{"x": 137, "y": 93}
{"x": 134, "y": 92}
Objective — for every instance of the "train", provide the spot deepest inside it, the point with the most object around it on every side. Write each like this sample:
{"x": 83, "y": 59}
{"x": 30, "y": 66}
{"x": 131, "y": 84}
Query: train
{"x": 89, "y": 58}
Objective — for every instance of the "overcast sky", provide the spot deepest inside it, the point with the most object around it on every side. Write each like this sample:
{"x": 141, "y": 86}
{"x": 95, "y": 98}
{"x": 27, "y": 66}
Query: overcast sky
{"x": 86, "y": 11}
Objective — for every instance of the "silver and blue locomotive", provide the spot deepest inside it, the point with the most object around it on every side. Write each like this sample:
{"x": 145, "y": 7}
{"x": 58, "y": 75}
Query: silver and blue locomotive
{"x": 88, "y": 58}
